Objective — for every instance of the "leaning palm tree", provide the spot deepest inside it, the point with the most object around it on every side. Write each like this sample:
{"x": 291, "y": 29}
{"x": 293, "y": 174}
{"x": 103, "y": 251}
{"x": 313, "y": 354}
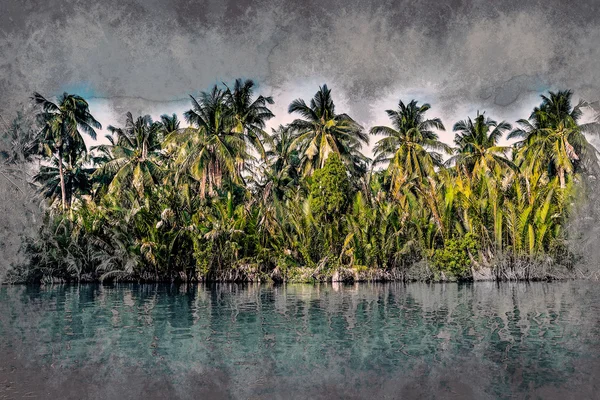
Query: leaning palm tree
{"x": 61, "y": 125}
{"x": 477, "y": 144}
{"x": 411, "y": 147}
{"x": 321, "y": 131}
{"x": 135, "y": 158}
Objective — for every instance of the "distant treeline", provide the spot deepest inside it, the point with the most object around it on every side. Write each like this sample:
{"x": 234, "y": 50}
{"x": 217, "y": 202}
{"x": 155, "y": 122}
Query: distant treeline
{"x": 222, "y": 199}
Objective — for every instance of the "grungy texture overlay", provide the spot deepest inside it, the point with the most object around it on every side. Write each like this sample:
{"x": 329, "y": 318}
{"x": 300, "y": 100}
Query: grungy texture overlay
{"x": 459, "y": 55}
{"x": 148, "y": 56}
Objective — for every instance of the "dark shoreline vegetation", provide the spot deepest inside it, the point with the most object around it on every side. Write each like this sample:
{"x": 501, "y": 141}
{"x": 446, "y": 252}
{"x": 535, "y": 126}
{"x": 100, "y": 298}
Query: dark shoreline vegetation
{"x": 223, "y": 200}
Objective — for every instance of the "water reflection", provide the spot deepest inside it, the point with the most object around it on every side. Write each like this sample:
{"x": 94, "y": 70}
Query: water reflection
{"x": 481, "y": 341}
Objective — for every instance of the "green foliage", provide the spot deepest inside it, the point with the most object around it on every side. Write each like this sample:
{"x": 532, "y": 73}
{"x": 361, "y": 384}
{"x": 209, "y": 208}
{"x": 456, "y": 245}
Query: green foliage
{"x": 223, "y": 200}
{"x": 455, "y": 257}
{"x": 330, "y": 189}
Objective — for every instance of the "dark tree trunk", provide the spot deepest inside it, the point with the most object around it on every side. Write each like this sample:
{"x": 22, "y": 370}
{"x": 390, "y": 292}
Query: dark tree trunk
{"x": 62, "y": 180}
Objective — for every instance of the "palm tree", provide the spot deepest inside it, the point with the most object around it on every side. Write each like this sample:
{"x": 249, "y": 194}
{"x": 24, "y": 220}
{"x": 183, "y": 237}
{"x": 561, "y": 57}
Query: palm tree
{"x": 135, "y": 158}
{"x": 77, "y": 180}
{"x": 168, "y": 125}
{"x": 555, "y": 144}
{"x": 283, "y": 161}
{"x": 477, "y": 144}
{"x": 321, "y": 131}
{"x": 61, "y": 125}
{"x": 249, "y": 115}
{"x": 411, "y": 146}
{"x": 210, "y": 148}
{"x": 552, "y": 137}
{"x": 224, "y": 227}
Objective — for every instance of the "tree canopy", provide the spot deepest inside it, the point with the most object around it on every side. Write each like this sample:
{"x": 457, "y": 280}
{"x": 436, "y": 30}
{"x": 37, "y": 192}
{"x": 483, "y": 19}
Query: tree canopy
{"x": 217, "y": 197}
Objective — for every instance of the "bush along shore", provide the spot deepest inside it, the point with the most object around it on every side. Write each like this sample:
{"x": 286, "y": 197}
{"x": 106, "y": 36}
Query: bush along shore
{"x": 218, "y": 198}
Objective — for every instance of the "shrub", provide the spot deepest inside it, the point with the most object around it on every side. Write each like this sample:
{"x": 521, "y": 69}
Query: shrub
{"x": 454, "y": 258}
{"x": 330, "y": 189}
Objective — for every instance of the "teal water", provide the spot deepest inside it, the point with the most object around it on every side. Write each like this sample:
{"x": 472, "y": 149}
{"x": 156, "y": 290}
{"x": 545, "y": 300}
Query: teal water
{"x": 481, "y": 340}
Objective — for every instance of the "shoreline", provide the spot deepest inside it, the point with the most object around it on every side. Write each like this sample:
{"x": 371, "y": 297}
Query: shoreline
{"x": 307, "y": 276}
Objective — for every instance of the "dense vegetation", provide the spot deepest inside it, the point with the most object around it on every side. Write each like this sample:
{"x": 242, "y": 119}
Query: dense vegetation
{"x": 222, "y": 199}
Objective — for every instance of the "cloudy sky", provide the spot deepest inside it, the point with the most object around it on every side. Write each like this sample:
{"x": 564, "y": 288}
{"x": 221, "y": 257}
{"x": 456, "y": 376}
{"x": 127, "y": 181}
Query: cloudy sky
{"x": 147, "y": 56}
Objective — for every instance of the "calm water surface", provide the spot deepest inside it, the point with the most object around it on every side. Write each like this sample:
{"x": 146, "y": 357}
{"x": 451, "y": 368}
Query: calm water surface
{"x": 537, "y": 340}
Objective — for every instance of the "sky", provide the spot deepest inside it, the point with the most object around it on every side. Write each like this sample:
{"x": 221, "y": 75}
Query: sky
{"x": 148, "y": 56}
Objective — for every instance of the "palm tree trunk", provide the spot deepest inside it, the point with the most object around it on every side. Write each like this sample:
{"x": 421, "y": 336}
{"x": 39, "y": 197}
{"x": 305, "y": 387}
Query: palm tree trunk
{"x": 62, "y": 180}
{"x": 561, "y": 177}
{"x": 219, "y": 174}
{"x": 211, "y": 178}
{"x": 144, "y": 150}
{"x": 203, "y": 184}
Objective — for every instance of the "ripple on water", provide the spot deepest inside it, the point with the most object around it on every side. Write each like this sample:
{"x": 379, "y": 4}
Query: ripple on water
{"x": 505, "y": 338}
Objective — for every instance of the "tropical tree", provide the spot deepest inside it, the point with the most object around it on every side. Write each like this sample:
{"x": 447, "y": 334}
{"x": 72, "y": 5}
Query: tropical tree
{"x": 249, "y": 115}
{"x": 553, "y": 139}
{"x": 321, "y": 131}
{"x": 135, "y": 156}
{"x": 62, "y": 123}
{"x": 477, "y": 144}
{"x": 168, "y": 125}
{"x": 330, "y": 190}
{"x": 283, "y": 161}
{"x": 209, "y": 149}
{"x": 77, "y": 180}
{"x": 410, "y": 147}
{"x": 226, "y": 126}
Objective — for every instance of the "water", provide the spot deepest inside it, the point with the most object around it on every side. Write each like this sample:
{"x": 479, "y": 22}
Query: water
{"x": 479, "y": 341}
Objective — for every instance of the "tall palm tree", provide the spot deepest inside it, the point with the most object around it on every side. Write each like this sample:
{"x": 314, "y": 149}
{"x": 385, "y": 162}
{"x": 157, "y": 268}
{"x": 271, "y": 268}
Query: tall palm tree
{"x": 553, "y": 139}
{"x": 135, "y": 159}
{"x": 321, "y": 131}
{"x": 477, "y": 144}
{"x": 77, "y": 180}
{"x": 62, "y": 123}
{"x": 554, "y": 144}
{"x": 210, "y": 149}
{"x": 249, "y": 115}
{"x": 283, "y": 161}
{"x": 411, "y": 147}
